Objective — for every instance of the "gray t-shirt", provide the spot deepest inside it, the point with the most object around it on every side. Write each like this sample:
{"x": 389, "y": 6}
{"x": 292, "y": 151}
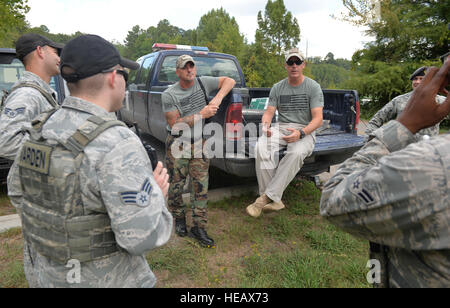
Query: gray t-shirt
{"x": 188, "y": 101}
{"x": 294, "y": 104}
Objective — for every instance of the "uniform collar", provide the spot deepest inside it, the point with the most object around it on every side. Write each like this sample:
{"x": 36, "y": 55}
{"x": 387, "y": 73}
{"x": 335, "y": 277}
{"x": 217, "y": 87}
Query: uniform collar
{"x": 33, "y": 78}
{"x": 79, "y": 104}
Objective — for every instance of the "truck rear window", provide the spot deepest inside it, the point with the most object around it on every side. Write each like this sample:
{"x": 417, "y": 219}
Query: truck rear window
{"x": 9, "y": 74}
{"x": 215, "y": 67}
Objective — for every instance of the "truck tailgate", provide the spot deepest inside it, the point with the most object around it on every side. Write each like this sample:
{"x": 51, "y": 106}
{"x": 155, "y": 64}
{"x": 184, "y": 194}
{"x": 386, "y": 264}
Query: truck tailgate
{"x": 337, "y": 142}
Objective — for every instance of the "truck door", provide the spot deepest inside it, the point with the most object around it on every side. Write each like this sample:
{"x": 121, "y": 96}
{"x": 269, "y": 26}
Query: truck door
{"x": 141, "y": 95}
{"x": 141, "y": 100}
{"x": 126, "y": 112}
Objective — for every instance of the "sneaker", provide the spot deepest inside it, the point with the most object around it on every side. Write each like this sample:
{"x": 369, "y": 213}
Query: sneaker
{"x": 202, "y": 237}
{"x": 180, "y": 227}
{"x": 255, "y": 208}
{"x": 274, "y": 206}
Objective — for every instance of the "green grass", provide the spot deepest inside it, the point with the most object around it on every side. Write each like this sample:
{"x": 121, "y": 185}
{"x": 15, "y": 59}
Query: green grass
{"x": 292, "y": 248}
{"x": 5, "y": 206}
{"x": 11, "y": 259}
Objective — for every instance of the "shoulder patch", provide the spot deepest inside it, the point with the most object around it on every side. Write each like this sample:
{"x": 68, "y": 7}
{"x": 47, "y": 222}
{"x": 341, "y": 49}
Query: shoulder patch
{"x": 140, "y": 198}
{"x": 12, "y": 113}
{"x": 357, "y": 188}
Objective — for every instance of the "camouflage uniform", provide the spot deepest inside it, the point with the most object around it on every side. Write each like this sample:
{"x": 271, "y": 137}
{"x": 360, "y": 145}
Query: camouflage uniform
{"x": 395, "y": 192}
{"x": 21, "y": 106}
{"x": 393, "y": 109}
{"x": 189, "y": 102}
{"x": 114, "y": 164}
{"x": 197, "y": 169}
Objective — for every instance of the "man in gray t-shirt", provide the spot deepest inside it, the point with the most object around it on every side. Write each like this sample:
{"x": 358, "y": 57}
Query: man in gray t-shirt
{"x": 185, "y": 106}
{"x": 299, "y": 102}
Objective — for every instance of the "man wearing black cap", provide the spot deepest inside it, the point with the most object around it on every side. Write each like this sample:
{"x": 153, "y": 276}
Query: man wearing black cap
{"x": 28, "y": 98}
{"x": 31, "y": 95}
{"x": 391, "y": 110}
{"x": 91, "y": 203}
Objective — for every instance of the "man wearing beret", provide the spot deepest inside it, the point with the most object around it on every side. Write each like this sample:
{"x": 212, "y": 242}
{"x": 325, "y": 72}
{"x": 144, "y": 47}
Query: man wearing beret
{"x": 391, "y": 110}
{"x": 91, "y": 204}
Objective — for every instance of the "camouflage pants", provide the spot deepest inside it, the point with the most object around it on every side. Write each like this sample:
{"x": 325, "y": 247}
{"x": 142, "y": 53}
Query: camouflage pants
{"x": 179, "y": 169}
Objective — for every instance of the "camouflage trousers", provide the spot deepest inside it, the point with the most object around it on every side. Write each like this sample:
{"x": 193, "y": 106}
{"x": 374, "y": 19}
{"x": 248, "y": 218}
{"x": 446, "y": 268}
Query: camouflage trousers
{"x": 196, "y": 165}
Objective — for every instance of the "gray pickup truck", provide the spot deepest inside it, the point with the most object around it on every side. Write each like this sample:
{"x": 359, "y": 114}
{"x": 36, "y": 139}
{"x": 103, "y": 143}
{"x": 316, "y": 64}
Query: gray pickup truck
{"x": 337, "y": 140}
{"x": 11, "y": 69}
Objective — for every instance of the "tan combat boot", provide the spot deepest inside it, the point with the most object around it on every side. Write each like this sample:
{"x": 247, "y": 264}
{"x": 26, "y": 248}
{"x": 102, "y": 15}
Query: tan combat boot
{"x": 255, "y": 208}
{"x": 274, "y": 206}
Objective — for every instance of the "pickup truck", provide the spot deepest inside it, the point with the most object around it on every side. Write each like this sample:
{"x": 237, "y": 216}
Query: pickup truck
{"x": 11, "y": 69}
{"x": 337, "y": 140}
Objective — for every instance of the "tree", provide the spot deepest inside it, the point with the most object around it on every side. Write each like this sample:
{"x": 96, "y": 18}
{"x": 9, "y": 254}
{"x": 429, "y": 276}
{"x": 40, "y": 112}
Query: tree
{"x": 404, "y": 30}
{"x": 329, "y": 58}
{"x": 139, "y": 41}
{"x": 12, "y": 16}
{"x": 407, "y": 34}
{"x": 278, "y": 30}
{"x": 220, "y": 32}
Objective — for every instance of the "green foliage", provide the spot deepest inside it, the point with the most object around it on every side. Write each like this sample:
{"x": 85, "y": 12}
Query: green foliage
{"x": 404, "y": 30}
{"x": 408, "y": 34}
{"x": 329, "y": 76}
{"x": 278, "y": 30}
{"x": 139, "y": 42}
{"x": 12, "y": 20}
{"x": 220, "y": 32}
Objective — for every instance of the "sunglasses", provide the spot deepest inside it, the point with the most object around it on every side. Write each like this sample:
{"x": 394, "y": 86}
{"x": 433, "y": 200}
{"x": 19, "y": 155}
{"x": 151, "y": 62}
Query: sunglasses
{"x": 120, "y": 72}
{"x": 291, "y": 62}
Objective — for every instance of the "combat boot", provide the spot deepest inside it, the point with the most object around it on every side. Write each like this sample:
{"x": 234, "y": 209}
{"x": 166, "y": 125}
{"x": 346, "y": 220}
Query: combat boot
{"x": 274, "y": 206}
{"x": 180, "y": 226}
{"x": 255, "y": 208}
{"x": 202, "y": 237}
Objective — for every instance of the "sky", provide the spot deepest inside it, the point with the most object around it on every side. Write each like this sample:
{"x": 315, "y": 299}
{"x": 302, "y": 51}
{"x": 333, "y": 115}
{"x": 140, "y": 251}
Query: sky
{"x": 112, "y": 19}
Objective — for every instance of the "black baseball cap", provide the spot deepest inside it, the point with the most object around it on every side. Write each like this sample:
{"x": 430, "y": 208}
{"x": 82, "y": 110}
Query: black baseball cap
{"x": 88, "y": 55}
{"x": 29, "y": 42}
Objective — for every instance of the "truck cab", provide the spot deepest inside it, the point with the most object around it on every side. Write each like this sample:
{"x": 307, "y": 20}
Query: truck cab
{"x": 337, "y": 141}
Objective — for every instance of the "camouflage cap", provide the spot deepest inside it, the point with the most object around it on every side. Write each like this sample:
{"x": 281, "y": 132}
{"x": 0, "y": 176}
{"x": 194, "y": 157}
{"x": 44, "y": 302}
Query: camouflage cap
{"x": 294, "y": 52}
{"x": 182, "y": 60}
{"x": 419, "y": 72}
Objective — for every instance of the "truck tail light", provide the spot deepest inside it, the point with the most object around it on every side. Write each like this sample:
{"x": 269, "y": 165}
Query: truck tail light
{"x": 358, "y": 110}
{"x": 233, "y": 122}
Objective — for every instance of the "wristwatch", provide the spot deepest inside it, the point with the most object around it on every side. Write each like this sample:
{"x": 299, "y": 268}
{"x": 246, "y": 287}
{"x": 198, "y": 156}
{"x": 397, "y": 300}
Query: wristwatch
{"x": 302, "y": 134}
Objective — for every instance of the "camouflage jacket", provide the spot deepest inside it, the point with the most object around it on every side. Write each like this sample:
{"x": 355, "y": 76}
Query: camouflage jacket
{"x": 21, "y": 106}
{"x": 393, "y": 109}
{"x": 115, "y": 165}
{"x": 395, "y": 192}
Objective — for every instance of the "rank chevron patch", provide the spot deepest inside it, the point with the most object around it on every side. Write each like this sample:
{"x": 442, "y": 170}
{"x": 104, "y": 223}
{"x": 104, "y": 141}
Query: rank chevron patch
{"x": 140, "y": 198}
{"x": 12, "y": 113}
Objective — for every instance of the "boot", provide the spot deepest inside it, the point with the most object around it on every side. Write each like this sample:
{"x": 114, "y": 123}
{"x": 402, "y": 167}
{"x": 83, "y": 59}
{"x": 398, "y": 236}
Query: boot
{"x": 180, "y": 226}
{"x": 255, "y": 208}
{"x": 274, "y": 206}
{"x": 202, "y": 237}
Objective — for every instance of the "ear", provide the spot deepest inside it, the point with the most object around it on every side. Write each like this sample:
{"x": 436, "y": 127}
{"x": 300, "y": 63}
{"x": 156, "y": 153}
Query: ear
{"x": 40, "y": 51}
{"x": 111, "y": 79}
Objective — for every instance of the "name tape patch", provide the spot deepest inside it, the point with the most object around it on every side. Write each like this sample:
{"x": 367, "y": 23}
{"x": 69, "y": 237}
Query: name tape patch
{"x": 35, "y": 157}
